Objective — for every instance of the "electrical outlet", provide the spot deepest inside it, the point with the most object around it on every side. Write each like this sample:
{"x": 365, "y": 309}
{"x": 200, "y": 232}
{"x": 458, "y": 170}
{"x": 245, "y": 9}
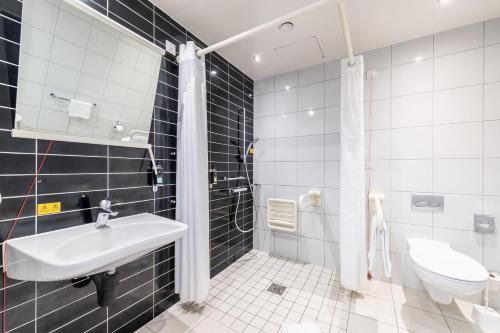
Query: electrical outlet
{"x": 170, "y": 48}
{"x": 370, "y": 75}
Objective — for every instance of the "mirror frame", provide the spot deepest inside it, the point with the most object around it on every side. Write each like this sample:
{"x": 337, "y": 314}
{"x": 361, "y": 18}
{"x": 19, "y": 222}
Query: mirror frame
{"x": 16, "y": 133}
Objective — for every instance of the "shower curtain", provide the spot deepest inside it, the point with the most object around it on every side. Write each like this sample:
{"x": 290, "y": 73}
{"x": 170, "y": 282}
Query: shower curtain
{"x": 353, "y": 266}
{"x": 192, "y": 271}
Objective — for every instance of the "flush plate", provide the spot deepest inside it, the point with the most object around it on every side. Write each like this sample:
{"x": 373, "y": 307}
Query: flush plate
{"x": 427, "y": 202}
{"x": 484, "y": 223}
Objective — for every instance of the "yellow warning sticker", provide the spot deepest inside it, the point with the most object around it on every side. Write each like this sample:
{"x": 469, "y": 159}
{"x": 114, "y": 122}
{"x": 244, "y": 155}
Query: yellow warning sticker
{"x": 49, "y": 208}
{"x": 251, "y": 151}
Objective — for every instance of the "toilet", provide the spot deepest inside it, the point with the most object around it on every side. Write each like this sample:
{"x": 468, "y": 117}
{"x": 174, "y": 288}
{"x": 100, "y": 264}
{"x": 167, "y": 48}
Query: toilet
{"x": 445, "y": 272}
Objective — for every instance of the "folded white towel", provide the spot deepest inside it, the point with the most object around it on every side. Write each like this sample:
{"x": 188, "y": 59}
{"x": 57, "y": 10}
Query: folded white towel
{"x": 79, "y": 109}
{"x": 300, "y": 328}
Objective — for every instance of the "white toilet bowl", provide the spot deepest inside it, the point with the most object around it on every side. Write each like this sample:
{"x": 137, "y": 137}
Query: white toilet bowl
{"x": 445, "y": 272}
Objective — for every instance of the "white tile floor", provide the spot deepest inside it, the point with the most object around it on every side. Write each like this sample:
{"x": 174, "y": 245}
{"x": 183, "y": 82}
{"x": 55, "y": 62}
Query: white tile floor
{"x": 239, "y": 302}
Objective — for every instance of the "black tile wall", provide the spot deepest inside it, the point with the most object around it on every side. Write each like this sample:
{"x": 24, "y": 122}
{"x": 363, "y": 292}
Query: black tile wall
{"x": 79, "y": 175}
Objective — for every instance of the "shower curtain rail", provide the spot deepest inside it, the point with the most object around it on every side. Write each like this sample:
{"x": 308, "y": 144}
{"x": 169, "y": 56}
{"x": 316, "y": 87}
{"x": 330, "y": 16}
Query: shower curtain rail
{"x": 236, "y": 38}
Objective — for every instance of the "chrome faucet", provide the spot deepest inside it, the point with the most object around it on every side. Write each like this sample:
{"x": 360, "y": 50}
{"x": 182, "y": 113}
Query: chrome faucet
{"x": 104, "y": 212}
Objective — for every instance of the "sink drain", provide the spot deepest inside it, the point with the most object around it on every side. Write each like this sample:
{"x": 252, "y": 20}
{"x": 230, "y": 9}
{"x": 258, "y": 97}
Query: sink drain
{"x": 276, "y": 288}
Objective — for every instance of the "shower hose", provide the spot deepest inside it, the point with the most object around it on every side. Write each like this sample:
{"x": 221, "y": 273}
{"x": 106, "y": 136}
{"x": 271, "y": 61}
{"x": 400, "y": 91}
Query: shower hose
{"x": 239, "y": 197}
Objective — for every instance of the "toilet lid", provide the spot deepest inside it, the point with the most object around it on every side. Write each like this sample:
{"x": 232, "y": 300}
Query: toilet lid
{"x": 446, "y": 262}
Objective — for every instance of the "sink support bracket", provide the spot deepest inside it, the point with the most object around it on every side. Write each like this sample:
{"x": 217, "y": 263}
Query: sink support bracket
{"x": 105, "y": 284}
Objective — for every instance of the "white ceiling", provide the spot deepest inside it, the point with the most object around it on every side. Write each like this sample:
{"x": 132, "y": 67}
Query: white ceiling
{"x": 374, "y": 23}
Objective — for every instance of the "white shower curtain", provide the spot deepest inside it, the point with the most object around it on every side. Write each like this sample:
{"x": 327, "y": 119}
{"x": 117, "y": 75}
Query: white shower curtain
{"x": 192, "y": 272}
{"x": 353, "y": 266}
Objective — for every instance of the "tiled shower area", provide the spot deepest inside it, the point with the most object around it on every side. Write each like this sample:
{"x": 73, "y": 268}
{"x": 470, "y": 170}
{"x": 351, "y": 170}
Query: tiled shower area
{"x": 239, "y": 301}
{"x": 432, "y": 126}
{"x": 102, "y": 166}
{"x": 80, "y": 175}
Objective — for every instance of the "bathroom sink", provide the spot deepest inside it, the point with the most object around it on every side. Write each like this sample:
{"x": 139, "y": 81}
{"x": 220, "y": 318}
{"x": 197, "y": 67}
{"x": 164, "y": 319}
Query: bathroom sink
{"x": 84, "y": 250}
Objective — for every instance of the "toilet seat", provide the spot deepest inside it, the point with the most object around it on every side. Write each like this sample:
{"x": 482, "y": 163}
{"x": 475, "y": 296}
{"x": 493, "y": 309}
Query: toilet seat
{"x": 441, "y": 260}
{"x": 445, "y": 272}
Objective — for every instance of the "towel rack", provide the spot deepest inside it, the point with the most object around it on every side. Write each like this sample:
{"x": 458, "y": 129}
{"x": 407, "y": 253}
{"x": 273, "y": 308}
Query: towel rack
{"x": 64, "y": 98}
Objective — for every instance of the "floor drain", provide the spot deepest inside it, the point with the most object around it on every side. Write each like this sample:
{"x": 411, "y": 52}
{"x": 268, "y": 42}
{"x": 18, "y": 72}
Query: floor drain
{"x": 276, "y": 288}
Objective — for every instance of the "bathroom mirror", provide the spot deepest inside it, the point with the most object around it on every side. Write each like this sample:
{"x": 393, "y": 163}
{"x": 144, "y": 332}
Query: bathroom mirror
{"x": 83, "y": 77}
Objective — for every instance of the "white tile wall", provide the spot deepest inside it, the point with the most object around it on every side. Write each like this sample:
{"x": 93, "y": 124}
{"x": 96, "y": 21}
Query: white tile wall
{"x": 305, "y": 155}
{"x": 433, "y": 114}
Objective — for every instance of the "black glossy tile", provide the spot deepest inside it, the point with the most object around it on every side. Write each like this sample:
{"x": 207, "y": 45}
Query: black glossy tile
{"x": 65, "y": 220}
{"x": 11, "y": 206}
{"x": 9, "y": 51}
{"x": 6, "y": 118}
{"x": 23, "y": 227}
{"x": 70, "y": 183}
{"x": 164, "y": 298}
{"x": 132, "y": 20}
{"x": 169, "y": 214}
{"x": 73, "y": 164}
{"x": 135, "y": 323}
{"x": 132, "y": 194}
{"x": 165, "y": 191}
{"x": 15, "y": 145}
{"x": 8, "y": 74}
{"x": 55, "y": 295}
{"x": 21, "y": 317}
{"x": 19, "y": 292}
{"x": 8, "y": 96}
{"x": 128, "y": 180}
{"x": 141, "y": 295}
{"x": 142, "y": 8}
{"x": 170, "y": 26}
{"x": 11, "y": 8}
{"x": 148, "y": 35}
{"x": 70, "y": 148}
{"x": 135, "y": 208}
{"x": 138, "y": 266}
{"x": 99, "y": 328}
{"x": 74, "y": 317}
{"x": 14, "y": 185}
{"x": 10, "y": 29}
{"x": 75, "y": 201}
{"x": 129, "y": 165}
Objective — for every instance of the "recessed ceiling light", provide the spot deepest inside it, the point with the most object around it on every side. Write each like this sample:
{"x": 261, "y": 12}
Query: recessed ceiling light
{"x": 311, "y": 113}
{"x": 287, "y": 88}
{"x": 257, "y": 58}
{"x": 441, "y": 1}
{"x": 417, "y": 59}
{"x": 286, "y": 26}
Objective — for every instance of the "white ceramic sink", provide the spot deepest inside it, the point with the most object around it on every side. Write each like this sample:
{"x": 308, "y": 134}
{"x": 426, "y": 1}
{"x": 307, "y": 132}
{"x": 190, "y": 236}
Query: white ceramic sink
{"x": 84, "y": 250}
